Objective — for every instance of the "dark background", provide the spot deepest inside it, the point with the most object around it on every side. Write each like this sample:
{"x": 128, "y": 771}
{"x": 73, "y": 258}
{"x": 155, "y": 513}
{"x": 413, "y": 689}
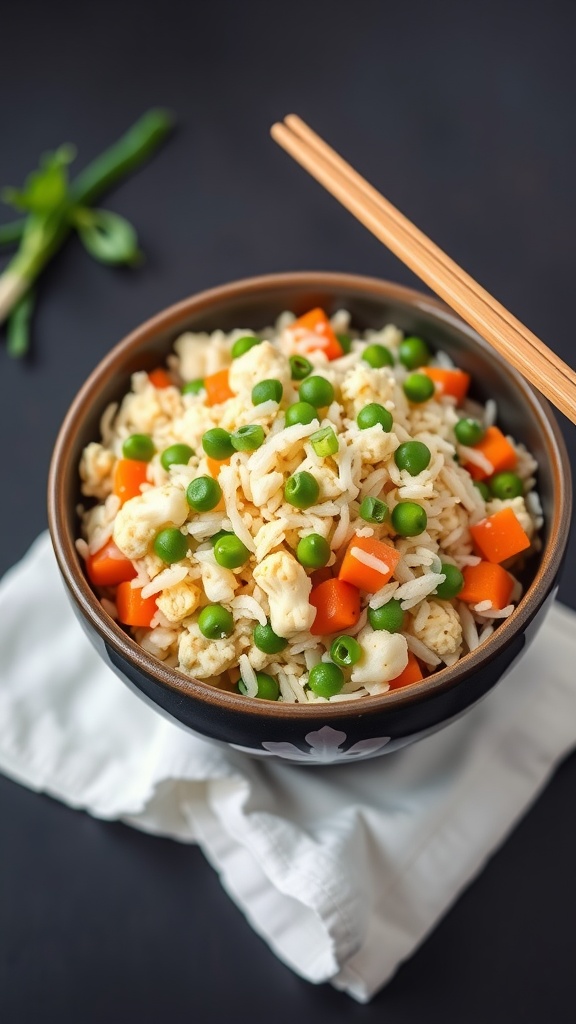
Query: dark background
{"x": 463, "y": 115}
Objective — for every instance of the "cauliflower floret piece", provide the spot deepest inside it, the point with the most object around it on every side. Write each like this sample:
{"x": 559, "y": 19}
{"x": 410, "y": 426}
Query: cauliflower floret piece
{"x": 374, "y": 444}
{"x": 385, "y": 656}
{"x": 262, "y": 362}
{"x": 363, "y": 385}
{"x": 442, "y": 630}
{"x": 205, "y": 658}
{"x": 194, "y": 422}
{"x": 219, "y": 583}
{"x": 328, "y": 481}
{"x": 140, "y": 518}
{"x": 179, "y": 601}
{"x": 96, "y": 467}
{"x": 518, "y": 506}
{"x": 288, "y": 588}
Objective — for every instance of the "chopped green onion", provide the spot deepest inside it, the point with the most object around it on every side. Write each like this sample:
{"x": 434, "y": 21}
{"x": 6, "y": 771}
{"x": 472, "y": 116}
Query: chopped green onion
{"x": 249, "y": 438}
{"x": 300, "y": 367}
{"x": 324, "y": 442}
{"x": 373, "y": 510}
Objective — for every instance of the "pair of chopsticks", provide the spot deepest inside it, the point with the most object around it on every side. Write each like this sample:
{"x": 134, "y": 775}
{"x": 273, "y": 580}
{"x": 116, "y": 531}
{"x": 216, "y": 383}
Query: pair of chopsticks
{"x": 515, "y": 342}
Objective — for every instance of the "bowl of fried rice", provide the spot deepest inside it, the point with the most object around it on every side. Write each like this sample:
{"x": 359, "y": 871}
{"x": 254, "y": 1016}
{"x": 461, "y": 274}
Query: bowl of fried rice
{"x": 312, "y": 516}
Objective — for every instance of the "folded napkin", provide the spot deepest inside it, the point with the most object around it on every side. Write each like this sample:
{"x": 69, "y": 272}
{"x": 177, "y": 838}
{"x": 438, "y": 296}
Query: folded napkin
{"x": 342, "y": 870}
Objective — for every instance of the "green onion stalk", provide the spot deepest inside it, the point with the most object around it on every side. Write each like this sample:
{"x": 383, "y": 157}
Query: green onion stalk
{"x": 55, "y": 207}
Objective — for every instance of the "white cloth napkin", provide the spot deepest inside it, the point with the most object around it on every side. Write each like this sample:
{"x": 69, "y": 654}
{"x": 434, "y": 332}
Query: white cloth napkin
{"x": 342, "y": 870}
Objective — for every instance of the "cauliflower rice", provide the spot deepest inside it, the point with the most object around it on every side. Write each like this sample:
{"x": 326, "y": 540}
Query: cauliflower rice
{"x": 272, "y": 586}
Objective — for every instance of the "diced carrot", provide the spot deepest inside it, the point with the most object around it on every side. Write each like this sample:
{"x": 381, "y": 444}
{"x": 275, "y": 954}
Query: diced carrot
{"x": 218, "y": 388}
{"x": 497, "y": 450}
{"x": 109, "y": 566}
{"x": 354, "y": 570}
{"x": 128, "y": 475}
{"x": 315, "y": 331}
{"x": 486, "y": 581}
{"x": 411, "y": 674}
{"x": 499, "y": 536}
{"x": 449, "y": 382}
{"x": 337, "y": 605}
{"x": 160, "y": 378}
{"x": 214, "y": 466}
{"x": 133, "y": 609}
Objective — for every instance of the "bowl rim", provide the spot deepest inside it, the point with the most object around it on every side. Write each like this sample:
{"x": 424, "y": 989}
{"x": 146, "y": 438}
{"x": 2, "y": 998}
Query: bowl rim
{"x": 172, "y": 679}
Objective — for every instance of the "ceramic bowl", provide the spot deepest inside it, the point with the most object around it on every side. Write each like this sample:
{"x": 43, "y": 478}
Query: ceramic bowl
{"x": 319, "y": 733}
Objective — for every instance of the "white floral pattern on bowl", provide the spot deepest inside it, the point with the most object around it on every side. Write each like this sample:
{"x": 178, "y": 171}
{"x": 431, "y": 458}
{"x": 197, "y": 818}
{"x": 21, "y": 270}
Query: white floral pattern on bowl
{"x": 326, "y": 746}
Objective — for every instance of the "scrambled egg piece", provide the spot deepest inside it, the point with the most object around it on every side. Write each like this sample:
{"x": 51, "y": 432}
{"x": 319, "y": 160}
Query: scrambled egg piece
{"x": 442, "y": 631}
{"x": 375, "y": 444}
{"x": 385, "y": 656}
{"x": 288, "y": 588}
{"x": 363, "y": 385}
{"x": 201, "y": 354}
{"x": 96, "y": 467}
{"x": 141, "y": 518}
{"x": 205, "y": 658}
{"x": 179, "y": 601}
{"x": 262, "y": 362}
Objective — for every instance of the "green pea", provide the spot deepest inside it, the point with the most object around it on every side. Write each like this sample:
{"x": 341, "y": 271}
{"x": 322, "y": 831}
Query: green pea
{"x": 469, "y": 431}
{"x": 203, "y": 493}
{"x": 317, "y": 391}
{"x": 249, "y": 438}
{"x": 193, "y": 387}
{"x": 217, "y": 443}
{"x": 313, "y": 551}
{"x": 230, "y": 552}
{"x": 413, "y": 456}
{"x": 483, "y": 488}
{"x": 345, "y": 342}
{"x": 506, "y": 485}
{"x": 268, "y": 688}
{"x": 418, "y": 387}
{"x": 324, "y": 442}
{"x": 266, "y": 391}
{"x": 244, "y": 344}
{"x": 377, "y": 356}
{"x": 453, "y": 583}
{"x": 372, "y": 414}
{"x": 170, "y": 545}
{"x": 345, "y": 651}
{"x": 300, "y": 412}
{"x": 176, "y": 455}
{"x": 265, "y": 639}
{"x": 300, "y": 367}
{"x": 409, "y": 519}
{"x": 215, "y": 622}
{"x": 301, "y": 490}
{"x": 326, "y": 679}
{"x": 221, "y": 533}
{"x": 389, "y": 616}
{"x": 414, "y": 352}
{"x": 373, "y": 510}
{"x": 139, "y": 447}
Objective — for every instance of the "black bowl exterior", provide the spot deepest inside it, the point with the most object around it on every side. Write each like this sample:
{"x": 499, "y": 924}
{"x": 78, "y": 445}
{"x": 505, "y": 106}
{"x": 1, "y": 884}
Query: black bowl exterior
{"x": 328, "y": 732}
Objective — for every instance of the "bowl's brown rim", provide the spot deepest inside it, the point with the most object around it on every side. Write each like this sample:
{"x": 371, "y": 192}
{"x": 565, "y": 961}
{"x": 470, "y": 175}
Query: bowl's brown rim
{"x": 111, "y": 632}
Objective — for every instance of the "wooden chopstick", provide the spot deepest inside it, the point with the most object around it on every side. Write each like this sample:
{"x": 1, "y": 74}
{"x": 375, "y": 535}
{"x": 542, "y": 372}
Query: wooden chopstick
{"x": 519, "y": 346}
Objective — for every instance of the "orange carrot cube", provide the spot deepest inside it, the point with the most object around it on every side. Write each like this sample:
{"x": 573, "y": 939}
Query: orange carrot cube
{"x": 109, "y": 566}
{"x": 368, "y": 563}
{"x": 160, "y": 378}
{"x": 314, "y": 331}
{"x": 337, "y": 605}
{"x": 499, "y": 536}
{"x": 133, "y": 609}
{"x": 218, "y": 388}
{"x": 486, "y": 581}
{"x": 449, "y": 382}
{"x": 128, "y": 475}
{"x": 499, "y": 452}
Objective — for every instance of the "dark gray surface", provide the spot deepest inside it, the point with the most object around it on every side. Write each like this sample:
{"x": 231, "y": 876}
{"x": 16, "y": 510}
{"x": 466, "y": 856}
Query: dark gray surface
{"x": 464, "y": 116}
